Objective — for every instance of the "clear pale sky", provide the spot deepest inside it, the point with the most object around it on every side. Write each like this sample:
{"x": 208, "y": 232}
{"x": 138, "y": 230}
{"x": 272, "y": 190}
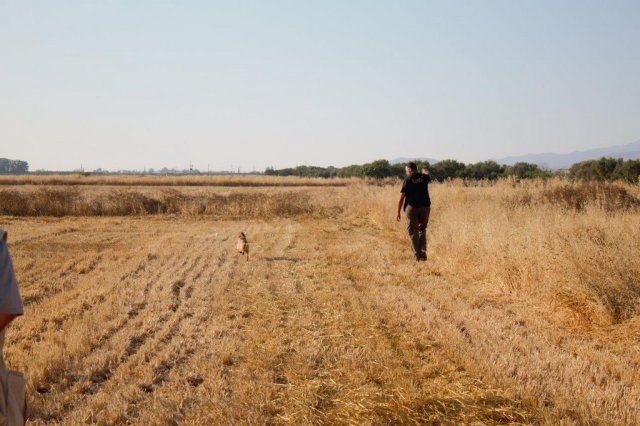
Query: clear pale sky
{"x": 138, "y": 84}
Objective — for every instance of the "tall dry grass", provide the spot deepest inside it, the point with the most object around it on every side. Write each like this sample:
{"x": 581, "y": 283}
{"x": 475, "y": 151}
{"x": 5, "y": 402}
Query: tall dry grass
{"x": 70, "y": 201}
{"x": 574, "y": 245}
{"x": 535, "y": 285}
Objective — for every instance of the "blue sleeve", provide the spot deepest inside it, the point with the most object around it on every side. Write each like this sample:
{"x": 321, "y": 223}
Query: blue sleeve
{"x": 10, "y": 302}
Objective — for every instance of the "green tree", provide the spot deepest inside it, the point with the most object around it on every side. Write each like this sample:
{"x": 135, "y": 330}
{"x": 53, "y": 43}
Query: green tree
{"x": 353, "y": 170}
{"x": 604, "y": 169}
{"x": 447, "y": 169}
{"x": 628, "y": 171}
{"x": 14, "y": 167}
{"x": 378, "y": 169}
{"x": 525, "y": 171}
{"x": 484, "y": 170}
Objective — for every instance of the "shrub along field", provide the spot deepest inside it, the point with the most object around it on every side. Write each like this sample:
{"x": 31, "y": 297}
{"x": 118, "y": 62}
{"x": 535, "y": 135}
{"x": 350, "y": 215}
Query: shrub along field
{"x": 139, "y": 310}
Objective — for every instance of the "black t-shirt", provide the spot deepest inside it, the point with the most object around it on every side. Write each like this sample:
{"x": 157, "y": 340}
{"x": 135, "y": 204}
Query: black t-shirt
{"x": 416, "y": 190}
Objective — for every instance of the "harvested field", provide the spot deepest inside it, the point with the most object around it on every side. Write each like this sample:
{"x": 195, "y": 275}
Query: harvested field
{"x": 527, "y": 312}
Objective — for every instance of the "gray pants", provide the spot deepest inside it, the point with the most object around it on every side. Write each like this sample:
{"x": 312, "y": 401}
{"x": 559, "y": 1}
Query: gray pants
{"x": 417, "y": 220}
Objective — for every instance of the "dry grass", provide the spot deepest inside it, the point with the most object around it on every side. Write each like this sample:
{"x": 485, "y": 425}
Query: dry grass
{"x": 547, "y": 295}
{"x": 527, "y": 312}
{"x": 59, "y": 202}
{"x": 610, "y": 197}
{"x": 154, "y": 180}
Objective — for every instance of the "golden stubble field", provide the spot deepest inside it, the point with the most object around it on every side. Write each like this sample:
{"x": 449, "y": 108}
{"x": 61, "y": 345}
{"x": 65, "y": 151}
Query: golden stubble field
{"x": 526, "y": 312}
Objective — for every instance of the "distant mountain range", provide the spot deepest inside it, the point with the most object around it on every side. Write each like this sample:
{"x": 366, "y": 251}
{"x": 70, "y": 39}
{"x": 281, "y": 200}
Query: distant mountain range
{"x": 562, "y": 161}
{"x": 551, "y": 160}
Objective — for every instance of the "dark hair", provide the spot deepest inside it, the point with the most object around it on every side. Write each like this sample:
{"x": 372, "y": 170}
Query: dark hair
{"x": 412, "y": 166}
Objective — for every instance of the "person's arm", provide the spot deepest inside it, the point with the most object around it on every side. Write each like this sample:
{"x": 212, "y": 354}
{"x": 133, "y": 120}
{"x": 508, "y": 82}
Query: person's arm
{"x": 403, "y": 195}
{"x": 10, "y": 303}
{"x": 400, "y": 204}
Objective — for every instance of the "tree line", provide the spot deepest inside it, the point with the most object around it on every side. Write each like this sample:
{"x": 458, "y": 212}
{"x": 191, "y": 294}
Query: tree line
{"x": 441, "y": 170}
{"x": 14, "y": 167}
{"x": 602, "y": 169}
{"x": 607, "y": 169}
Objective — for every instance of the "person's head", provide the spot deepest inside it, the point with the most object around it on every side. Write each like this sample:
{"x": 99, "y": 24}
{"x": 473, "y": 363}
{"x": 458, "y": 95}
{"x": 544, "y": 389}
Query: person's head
{"x": 410, "y": 168}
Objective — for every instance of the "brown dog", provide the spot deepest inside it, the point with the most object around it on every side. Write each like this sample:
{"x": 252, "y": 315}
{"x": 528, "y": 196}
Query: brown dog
{"x": 242, "y": 245}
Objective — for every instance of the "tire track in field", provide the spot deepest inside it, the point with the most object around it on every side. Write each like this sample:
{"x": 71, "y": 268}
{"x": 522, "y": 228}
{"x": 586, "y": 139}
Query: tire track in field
{"x": 136, "y": 341}
{"x": 176, "y": 288}
{"x": 87, "y": 289}
{"x": 172, "y": 355}
{"x": 102, "y": 373}
{"x": 59, "y": 366}
{"x": 171, "y": 322}
{"x": 42, "y": 283}
{"x": 220, "y": 314}
{"x": 85, "y": 303}
{"x": 179, "y": 352}
{"x": 256, "y": 305}
{"x": 49, "y": 235}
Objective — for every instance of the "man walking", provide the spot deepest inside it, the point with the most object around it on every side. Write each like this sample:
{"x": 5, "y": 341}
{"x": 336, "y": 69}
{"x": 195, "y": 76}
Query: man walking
{"x": 415, "y": 201}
